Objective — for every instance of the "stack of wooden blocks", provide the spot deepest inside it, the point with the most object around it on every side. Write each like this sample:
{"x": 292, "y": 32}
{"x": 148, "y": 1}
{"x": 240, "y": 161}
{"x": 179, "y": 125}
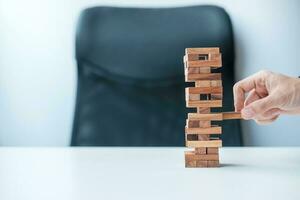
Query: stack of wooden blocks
{"x": 207, "y": 94}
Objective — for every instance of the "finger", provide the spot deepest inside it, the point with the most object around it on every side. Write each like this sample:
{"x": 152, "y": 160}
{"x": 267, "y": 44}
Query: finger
{"x": 242, "y": 87}
{"x": 253, "y": 96}
{"x": 267, "y": 121}
{"x": 258, "y": 107}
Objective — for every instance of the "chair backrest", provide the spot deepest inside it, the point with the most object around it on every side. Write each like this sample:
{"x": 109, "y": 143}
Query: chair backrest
{"x": 130, "y": 73}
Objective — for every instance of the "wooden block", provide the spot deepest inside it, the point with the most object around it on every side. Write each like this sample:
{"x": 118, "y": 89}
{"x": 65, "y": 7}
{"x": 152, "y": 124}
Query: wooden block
{"x": 216, "y": 83}
{"x": 191, "y": 163}
{"x": 203, "y": 110}
{"x": 204, "y": 124}
{"x": 202, "y": 138}
{"x": 192, "y": 97}
{"x": 212, "y": 150}
{"x": 191, "y": 137}
{"x": 209, "y": 116}
{"x": 204, "y": 90}
{"x": 199, "y": 131}
{"x": 231, "y": 115}
{"x": 195, "y": 77}
{"x": 211, "y": 143}
{"x": 201, "y": 163}
{"x": 204, "y": 63}
{"x": 202, "y": 83}
{"x": 212, "y": 163}
{"x": 210, "y": 50}
{"x": 204, "y": 70}
{"x": 204, "y": 103}
{"x": 200, "y": 151}
{"x": 216, "y": 96}
{"x": 192, "y": 156}
{"x": 192, "y": 123}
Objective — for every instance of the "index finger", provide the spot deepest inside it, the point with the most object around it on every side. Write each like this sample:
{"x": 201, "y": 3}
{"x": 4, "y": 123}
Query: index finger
{"x": 239, "y": 90}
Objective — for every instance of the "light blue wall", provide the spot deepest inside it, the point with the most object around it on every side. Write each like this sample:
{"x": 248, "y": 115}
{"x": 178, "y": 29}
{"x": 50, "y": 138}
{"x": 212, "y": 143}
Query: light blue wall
{"x": 38, "y": 77}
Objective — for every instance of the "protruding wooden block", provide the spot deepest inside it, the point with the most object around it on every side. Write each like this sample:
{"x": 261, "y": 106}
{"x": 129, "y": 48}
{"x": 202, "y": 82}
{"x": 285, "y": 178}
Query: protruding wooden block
{"x": 232, "y": 115}
{"x": 209, "y": 116}
{"x": 211, "y": 143}
{"x": 204, "y": 103}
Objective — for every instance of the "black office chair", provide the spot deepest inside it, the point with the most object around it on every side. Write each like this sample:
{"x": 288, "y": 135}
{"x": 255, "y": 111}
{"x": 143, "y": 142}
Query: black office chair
{"x": 130, "y": 73}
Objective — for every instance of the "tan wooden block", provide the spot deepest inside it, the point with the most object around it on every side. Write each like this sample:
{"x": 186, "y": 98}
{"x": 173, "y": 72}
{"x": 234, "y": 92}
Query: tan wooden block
{"x": 202, "y": 83}
{"x": 195, "y": 77}
{"x": 204, "y": 63}
{"x": 192, "y": 156}
{"x": 201, "y": 151}
{"x": 208, "y": 116}
{"x": 190, "y": 163}
{"x": 203, "y": 110}
{"x": 192, "y": 123}
{"x": 193, "y": 71}
{"x": 211, "y": 143}
{"x": 212, "y": 150}
{"x": 209, "y": 130}
{"x": 216, "y": 83}
{"x": 204, "y": 103}
{"x": 232, "y": 115}
{"x": 193, "y": 97}
{"x": 205, "y": 124}
{"x": 201, "y": 163}
{"x": 204, "y": 90}
{"x": 209, "y": 50}
{"x": 191, "y": 137}
{"x": 216, "y": 96}
{"x": 202, "y": 138}
{"x": 204, "y": 70}
{"x": 212, "y": 163}
{"x": 192, "y": 57}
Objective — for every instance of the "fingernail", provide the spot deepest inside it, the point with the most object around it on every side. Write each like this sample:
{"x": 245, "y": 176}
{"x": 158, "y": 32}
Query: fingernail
{"x": 248, "y": 113}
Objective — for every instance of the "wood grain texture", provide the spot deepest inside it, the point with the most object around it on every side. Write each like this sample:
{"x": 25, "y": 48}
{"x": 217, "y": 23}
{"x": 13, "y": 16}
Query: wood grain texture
{"x": 211, "y": 143}
{"x": 204, "y": 63}
{"x": 209, "y": 130}
{"x": 202, "y": 83}
{"x": 194, "y": 77}
{"x": 200, "y": 151}
{"x": 212, "y": 163}
{"x": 204, "y": 103}
{"x": 231, "y": 115}
{"x": 209, "y": 116}
{"x": 212, "y": 150}
{"x": 192, "y": 156}
{"x": 212, "y": 50}
{"x": 204, "y": 90}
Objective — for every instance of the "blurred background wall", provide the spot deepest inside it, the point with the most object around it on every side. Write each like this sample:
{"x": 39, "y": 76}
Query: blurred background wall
{"x": 38, "y": 71}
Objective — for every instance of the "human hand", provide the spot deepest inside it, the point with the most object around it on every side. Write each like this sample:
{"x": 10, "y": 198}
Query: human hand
{"x": 269, "y": 95}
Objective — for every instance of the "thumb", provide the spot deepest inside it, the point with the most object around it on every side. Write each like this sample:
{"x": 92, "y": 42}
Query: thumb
{"x": 258, "y": 107}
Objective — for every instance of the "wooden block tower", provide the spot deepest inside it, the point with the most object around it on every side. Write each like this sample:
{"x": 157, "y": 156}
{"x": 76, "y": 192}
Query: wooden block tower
{"x": 200, "y": 133}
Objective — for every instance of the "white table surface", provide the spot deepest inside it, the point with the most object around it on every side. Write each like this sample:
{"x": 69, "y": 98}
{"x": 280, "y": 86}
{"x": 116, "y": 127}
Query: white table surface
{"x": 147, "y": 173}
